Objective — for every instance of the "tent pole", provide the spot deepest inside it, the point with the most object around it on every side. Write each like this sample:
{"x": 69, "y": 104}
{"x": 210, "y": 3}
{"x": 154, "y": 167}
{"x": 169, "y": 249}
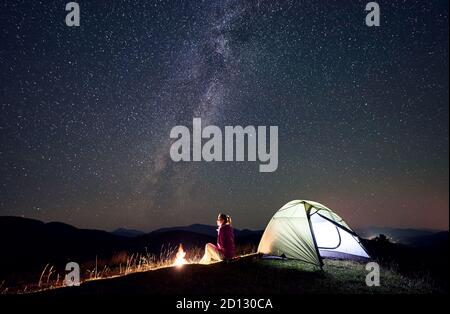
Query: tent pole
{"x": 314, "y": 239}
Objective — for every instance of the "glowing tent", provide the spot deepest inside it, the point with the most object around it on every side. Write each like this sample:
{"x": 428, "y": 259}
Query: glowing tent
{"x": 308, "y": 231}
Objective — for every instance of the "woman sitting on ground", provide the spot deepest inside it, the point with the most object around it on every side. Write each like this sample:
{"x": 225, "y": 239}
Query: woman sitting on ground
{"x": 225, "y": 242}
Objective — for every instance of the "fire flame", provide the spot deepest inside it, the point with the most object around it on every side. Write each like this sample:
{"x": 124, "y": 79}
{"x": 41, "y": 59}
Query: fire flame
{"x": 179, "y": 258}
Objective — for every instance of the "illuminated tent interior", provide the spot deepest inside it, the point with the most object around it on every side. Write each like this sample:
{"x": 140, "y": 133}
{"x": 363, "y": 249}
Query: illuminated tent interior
{"x": 309, "y": 231}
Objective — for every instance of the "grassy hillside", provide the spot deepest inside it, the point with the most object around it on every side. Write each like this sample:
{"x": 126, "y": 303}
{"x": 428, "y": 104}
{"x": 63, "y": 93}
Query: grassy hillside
{"x": 253, "y": 276}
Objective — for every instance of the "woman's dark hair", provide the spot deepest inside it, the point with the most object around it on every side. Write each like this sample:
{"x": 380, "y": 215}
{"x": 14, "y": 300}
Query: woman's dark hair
{"x": 225, "y": 218}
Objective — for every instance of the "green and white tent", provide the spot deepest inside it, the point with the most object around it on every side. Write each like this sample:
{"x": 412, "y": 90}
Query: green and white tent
{"x": 308, "y": 231}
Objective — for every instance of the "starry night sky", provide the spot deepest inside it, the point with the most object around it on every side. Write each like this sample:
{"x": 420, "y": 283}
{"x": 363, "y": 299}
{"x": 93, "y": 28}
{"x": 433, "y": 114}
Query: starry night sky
{"x": 86, "y": 112}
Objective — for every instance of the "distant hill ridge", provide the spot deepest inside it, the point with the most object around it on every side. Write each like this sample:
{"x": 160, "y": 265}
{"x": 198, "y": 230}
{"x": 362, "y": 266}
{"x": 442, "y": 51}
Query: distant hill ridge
{"x": 408, "y": 236}
{"x": 207, "y": 230}
{"x": 28, "y": 243}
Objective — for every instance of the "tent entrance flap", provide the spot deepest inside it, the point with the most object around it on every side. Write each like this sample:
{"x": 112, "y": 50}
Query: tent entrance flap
{"x": 332, "y": 237}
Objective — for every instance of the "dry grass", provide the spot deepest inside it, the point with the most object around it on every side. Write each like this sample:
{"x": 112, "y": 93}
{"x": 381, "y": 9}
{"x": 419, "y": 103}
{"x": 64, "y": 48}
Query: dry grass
{"x": 120, "y": 264}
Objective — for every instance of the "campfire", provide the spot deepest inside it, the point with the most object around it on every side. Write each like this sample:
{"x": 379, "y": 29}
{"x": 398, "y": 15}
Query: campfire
{"x": 180, "y": 257}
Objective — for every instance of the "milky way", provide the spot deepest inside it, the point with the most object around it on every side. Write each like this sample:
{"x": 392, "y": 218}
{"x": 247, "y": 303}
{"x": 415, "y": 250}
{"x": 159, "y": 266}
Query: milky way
{"x": 86, "y": 111}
